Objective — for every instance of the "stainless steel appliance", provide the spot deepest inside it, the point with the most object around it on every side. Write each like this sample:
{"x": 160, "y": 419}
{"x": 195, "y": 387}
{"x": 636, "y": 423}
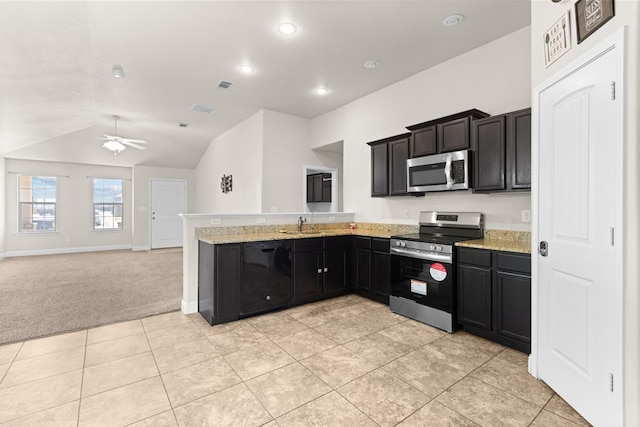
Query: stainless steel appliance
{"x": 439, "y": 172}
{"x": 423, "y": 267}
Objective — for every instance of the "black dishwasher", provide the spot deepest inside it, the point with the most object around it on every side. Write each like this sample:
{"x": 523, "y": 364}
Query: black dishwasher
{"x": 266, "y": 276}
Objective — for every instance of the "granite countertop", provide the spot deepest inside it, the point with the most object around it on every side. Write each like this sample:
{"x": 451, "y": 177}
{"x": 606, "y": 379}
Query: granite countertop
{"x": 221, "y": 235}
{"x": 501, "y": 240}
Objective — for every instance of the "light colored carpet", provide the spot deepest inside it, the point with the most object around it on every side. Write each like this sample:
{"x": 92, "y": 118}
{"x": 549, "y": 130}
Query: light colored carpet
{"x": 44, "y": 295}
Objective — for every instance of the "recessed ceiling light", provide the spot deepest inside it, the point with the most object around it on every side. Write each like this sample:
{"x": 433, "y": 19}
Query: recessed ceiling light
{"x": 321, "y": 90}
{"x": 371, "y": 64}
{"x": 117, "y": 72}
{"x": 287, "y": 28}
{"x": 452, "y": 20}
{"x": 246, "y": 68}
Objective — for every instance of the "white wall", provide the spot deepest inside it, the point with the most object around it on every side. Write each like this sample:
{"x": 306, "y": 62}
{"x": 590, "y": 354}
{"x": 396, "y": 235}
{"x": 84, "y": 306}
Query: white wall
{"x": 141, "y": 178}
{"x": 494, "y": 78}
{"x": 543, "y": 15}
{"x": 237, "y": 152}
{"x": 74, "y": 209}
{"x": 3, "y": 206}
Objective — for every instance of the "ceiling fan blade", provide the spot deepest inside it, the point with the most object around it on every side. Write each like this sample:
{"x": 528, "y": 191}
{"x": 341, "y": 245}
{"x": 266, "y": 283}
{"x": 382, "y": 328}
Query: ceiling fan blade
{"x": 135, "y": 141}
{"x": 132, "y": 145}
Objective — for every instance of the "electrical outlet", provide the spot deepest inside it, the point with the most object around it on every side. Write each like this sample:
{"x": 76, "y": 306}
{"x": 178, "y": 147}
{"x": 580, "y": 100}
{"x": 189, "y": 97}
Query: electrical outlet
{"x": 406, "y": 213}
{"x": 216, "y": 221}
{"x": 526, "y": 215}
{"x": 332, "y": 219}
{"x": 261, "y": 220}
{"x": 274, "y": 209}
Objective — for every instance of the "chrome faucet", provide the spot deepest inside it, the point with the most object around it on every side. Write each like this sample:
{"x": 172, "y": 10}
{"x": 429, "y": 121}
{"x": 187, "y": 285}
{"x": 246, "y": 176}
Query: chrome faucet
{"x": 300, "y": 222}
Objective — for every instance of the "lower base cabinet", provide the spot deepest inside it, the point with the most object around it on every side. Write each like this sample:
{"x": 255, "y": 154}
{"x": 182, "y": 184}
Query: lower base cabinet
{"x": 321, "y": 267}
{"x": 494, "y": 296}
{"x": 219, "y": 282}
{"x": 372, "y": 268}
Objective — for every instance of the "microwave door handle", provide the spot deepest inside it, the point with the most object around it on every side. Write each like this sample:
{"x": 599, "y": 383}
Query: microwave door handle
{"x": 447, "y": 172}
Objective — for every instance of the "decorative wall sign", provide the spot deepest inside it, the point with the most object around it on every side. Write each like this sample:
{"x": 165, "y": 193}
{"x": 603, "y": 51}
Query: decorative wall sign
{"x": 557, "y": 40}
{"x": 226, "y": 184}
{"x": 591, "y": 15}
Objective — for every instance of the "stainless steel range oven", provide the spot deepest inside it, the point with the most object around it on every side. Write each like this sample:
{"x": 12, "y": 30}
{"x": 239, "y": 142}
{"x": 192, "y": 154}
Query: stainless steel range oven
{"x": 423, "y": 267}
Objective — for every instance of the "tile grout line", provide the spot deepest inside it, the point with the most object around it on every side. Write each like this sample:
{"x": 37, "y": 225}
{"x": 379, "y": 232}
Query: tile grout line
{"x": 11, "y": 362}
{"x": 84, "y": 362}
{"x": 159, "y": 375}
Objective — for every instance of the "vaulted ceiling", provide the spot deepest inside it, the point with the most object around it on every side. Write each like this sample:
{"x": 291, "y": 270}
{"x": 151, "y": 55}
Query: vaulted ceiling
{"x": 58, "y": 94}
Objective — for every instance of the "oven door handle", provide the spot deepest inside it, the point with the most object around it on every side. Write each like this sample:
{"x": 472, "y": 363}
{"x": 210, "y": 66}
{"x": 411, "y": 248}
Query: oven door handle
{"x": 429, "y": 256}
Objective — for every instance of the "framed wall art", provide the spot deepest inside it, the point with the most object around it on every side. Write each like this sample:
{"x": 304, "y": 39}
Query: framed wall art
{"x": 591, "y": 15}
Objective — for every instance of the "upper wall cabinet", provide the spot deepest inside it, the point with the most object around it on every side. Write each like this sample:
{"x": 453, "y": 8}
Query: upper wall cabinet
{"x": 446, "y": 134}
{"x": 389, "y": 166}
{"x": 319, "y": 187}
{"x": 502, "y": 156}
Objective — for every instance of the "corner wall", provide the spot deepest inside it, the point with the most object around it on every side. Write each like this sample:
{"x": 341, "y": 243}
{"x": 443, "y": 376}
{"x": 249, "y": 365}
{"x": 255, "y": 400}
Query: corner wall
{"x": 627, "y": 13}
{"x": 495, "y": 78}
{"x": 3, "y": 206}
{"x": 237, "y": 152}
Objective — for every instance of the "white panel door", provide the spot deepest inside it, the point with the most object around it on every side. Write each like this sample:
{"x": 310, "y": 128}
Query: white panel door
{"x": 168, "y": 200}
{"x": 578, "y": 208}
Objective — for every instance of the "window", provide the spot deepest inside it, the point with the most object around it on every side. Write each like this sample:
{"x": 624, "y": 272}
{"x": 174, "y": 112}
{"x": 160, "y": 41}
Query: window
{"x": 107, "y": 204}
{"x": 37, "y": 203}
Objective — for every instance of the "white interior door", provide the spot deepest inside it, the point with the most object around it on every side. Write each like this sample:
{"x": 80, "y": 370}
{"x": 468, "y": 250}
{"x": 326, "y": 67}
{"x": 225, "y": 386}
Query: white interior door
{"x": 580, "y": 199}
{"x": 168, "y": 199}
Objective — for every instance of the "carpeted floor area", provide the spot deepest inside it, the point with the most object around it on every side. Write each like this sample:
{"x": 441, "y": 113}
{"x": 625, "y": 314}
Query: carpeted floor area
{"x": 44, "y": 295}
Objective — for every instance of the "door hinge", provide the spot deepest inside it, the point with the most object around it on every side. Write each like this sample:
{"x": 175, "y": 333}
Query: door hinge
{"x": 612, "y": 236}
{"x": 611, "y": 382}
{"x": 613, "y": 91}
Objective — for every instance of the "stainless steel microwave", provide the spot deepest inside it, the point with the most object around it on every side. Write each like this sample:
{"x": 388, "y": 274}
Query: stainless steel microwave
{"x": 439, "y": 172}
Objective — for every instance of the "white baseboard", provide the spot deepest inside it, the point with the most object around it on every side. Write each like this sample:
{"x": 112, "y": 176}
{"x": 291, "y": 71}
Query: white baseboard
{"x": 56, "y": 251}
{"x": 141, "y": 248}
{"x": 2, "y": 255}
{"x": 189, "y": 307}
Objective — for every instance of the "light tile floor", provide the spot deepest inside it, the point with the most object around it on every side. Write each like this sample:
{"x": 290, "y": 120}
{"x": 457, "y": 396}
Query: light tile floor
{"x": 341, "y": 362}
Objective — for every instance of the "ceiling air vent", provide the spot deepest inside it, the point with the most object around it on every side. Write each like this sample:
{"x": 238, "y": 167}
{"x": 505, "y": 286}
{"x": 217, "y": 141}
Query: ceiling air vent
{"x": 183, "y": 125}
{"x": 203, "y": 108}
{"x": 224, "y": 84}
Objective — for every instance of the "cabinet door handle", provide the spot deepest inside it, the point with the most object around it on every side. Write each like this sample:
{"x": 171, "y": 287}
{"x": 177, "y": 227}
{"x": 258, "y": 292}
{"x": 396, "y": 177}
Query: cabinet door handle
{"x": 326, "y": 269}
{"x": 319, "y": 271}
{"x": 268, "y": 298}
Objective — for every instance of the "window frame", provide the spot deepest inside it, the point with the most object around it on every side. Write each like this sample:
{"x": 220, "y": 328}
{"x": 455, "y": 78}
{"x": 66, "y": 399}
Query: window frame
{"x": 45, "y": 203}
{"x": 114, "y": 205}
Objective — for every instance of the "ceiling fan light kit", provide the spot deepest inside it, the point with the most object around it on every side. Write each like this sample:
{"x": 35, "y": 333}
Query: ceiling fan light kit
{"x": 117, "y": 144}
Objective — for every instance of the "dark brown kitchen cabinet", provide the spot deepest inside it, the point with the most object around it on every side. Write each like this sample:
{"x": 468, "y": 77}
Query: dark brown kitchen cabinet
{"x": 381, "y": 268}
{"x": 519, "y": 149}
{"x": 423, "y": 142}
{"x": 219, "y": 282}
{"x": 502, "y": 152}
{"x": 442, "y": 135}
{"x": 319, "y": 188}
{"x": 389, "y": 166}
{"x": 362, "y": 263}
{"x": 319, "y": 268}
{"x": 490, "y": 154}
{"x": 454, "y": 135}
{"x": 372, "y": 269}
{"x": 494, "y": 296}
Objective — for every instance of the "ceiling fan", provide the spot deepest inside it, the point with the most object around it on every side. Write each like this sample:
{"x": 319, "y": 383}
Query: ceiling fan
{"x": 117, "y": 143}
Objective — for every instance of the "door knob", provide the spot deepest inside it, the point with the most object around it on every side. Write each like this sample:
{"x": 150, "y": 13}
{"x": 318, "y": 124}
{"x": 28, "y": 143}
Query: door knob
{"x": 543, "y": 248}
